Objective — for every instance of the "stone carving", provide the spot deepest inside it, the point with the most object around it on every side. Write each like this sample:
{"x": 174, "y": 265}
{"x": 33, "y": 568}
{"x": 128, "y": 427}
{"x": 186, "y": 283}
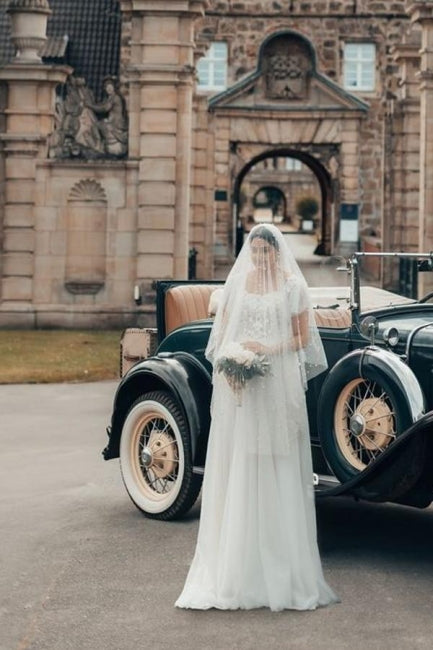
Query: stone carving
{"x": 88, "y": 190}
{"x": 28, "y": 28}
{"x": 285, "y": 77}
{"x": 86, "y": 128}
{"x": 114, "y": 125}
{"x": 287, "y": 62}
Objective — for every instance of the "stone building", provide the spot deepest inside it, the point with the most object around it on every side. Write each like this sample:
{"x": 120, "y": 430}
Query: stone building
{"x": 133, "y": 131}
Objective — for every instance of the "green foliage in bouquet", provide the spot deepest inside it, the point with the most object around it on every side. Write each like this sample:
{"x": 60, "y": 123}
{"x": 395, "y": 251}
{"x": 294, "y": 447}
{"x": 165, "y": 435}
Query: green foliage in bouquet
{"x": 240, "y": 365}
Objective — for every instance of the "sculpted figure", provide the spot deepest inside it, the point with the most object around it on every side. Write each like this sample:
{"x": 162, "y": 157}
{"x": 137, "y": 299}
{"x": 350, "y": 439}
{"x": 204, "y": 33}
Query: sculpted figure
{"x": 114, "y": 124}
{"x": 72, "y": 107}
{"x": 86, "y": 128}
{"x": 88, "y": 134}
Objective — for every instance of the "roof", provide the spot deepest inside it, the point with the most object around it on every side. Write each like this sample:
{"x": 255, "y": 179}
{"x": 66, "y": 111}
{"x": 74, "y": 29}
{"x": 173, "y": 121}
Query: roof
{"x": 93, "y": 36}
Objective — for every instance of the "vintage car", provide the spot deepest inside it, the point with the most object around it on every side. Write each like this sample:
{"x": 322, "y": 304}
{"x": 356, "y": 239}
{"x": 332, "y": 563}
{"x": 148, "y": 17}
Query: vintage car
{"x": 370, "y": 413}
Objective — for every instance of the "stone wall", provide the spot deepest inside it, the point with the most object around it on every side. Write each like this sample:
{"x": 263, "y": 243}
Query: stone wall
{"x": 77, "y": 235}
{"x": 202, "y": 195}
{"x": 3, "y": 104}
{"x": 84, "y": 240}
{"x": 328, "y": 25}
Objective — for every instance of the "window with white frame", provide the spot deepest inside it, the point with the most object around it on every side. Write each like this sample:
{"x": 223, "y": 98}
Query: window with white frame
{"x": 359, "y": 66}
{"x": 212, "y": 68}
{"x": 293, "y": 165}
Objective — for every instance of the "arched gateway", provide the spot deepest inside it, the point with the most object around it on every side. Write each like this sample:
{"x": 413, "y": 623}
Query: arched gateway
{"x": 328, "y": 189}
{"x": 288, "y": 108}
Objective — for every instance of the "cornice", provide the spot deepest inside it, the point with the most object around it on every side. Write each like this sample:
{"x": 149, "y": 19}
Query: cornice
{"x": 29, "y": 6}
{"x": 168, "y": 7}
{"x": 421, "y": 12}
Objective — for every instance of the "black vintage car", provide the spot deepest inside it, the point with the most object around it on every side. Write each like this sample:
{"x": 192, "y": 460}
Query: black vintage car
{"x": 370, "y": 414}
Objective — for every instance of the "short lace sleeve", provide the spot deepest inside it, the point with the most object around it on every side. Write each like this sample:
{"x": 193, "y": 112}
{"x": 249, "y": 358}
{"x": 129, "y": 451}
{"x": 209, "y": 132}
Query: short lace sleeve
{"x": 298, "y": 295}
{"x": 311, "y": 356}
{"x": 302, "y": 296}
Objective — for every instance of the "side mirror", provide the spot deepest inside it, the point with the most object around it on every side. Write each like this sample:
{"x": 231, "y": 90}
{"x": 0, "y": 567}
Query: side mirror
{"x": 369, "y": 327}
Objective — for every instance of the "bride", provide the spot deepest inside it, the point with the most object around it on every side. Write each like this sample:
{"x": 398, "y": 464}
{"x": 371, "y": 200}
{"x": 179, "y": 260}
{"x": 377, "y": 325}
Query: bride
{"x": 257, "y": 542}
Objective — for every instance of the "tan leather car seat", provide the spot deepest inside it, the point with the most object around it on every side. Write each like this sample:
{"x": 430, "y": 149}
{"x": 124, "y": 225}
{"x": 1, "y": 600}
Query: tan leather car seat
{"x": 187, "y": 302}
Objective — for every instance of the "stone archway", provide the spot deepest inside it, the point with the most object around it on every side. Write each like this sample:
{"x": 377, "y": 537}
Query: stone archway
{"x": 268, "y": 114}
{"x": 328, "y": 186}
{"x": 270, "y": 197}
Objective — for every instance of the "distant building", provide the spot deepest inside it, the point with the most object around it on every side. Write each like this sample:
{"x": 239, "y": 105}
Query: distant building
{"x": 135, "y": 131}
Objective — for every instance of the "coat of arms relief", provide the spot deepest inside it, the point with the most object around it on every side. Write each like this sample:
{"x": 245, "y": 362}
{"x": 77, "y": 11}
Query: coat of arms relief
{"x": 286, "y": 69}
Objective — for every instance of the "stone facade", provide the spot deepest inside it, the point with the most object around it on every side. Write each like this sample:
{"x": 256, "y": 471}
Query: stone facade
{"x": 79, "y": 231}
{"x": 356, "y": 165}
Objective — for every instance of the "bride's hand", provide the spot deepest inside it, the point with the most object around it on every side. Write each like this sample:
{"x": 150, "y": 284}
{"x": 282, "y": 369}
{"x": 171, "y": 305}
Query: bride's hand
{"x": 256, "y": 347}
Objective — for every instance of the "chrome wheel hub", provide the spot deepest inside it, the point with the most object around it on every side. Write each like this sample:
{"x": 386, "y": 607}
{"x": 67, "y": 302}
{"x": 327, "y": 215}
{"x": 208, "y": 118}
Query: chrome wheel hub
{"x": 160, "y": 454}
{"x": 146, "y": 457}
{"x": 357, "y": 425}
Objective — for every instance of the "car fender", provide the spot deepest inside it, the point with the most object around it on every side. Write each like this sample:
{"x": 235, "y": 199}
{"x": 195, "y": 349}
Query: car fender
{"x": 398, "y": 468}
{"x": 369, "y": 483}
{"x": 389, "y": 364}
{"x": 185, "y": 378}
{"x": 382, "y": 364}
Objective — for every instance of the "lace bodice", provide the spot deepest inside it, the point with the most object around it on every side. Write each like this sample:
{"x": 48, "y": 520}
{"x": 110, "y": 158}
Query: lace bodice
{"x": 259, "y": 315}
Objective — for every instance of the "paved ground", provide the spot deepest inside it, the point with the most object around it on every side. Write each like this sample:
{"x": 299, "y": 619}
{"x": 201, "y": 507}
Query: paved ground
{"x": 318, "y": 270}
{"x": 81, "y": 569}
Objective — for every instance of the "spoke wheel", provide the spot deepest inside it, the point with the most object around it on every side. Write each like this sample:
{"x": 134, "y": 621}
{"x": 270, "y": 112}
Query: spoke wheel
{"x": 360, "y": 417}
{"x": 364, "y": 422}
{"x": 155, "y": 457}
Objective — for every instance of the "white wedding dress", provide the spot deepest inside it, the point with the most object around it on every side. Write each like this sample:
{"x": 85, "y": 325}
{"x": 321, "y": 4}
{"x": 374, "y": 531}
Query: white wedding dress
{"x": 257, "y": 538}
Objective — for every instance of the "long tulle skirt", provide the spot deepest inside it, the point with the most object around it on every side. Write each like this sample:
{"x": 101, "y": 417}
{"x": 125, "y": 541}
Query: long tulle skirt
{"x": 257, "y": 542}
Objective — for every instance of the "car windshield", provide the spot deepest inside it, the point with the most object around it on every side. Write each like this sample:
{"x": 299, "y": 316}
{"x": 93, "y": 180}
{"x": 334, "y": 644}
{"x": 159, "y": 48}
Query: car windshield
{"x": 331, "y": 284}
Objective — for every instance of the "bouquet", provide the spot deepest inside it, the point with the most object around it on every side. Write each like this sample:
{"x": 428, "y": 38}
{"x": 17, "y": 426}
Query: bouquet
{"x": 239, "y": 365}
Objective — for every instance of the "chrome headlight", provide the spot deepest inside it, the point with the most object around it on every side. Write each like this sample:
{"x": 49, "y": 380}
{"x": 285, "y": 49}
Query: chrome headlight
{"x": 391, "y": 336}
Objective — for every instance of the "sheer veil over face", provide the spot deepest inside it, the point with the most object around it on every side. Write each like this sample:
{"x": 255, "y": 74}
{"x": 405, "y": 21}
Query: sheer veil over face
{"x": 265, "y": 307}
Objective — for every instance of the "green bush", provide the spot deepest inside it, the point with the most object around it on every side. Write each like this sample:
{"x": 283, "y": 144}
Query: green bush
{"x": 307, "y": 207}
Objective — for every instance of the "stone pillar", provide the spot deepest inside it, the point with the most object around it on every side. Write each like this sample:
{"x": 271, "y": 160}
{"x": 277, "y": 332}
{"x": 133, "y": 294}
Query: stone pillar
{"x": 202, "y": 222}
{"x": 161, "y": 73}
{"x": 403, "y": 226}
{"x": 29, "y": 92}
{"x": 422, "y": 13}
{"x": 351, "y": 189}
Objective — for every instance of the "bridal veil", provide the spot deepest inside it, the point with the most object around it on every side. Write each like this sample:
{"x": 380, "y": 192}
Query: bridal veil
{"x": 257, "y": 537}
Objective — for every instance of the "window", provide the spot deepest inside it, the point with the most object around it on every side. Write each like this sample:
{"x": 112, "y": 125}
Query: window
{"x": 212, "y": 68}
{"x": 359, "y": 66}
{"x": 293, "y": 164}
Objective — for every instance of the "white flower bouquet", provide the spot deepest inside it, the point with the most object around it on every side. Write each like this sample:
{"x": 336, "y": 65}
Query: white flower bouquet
{"x": 239, "y": 365}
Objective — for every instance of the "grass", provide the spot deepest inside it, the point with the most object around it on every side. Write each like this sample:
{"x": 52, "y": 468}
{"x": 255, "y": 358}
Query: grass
{"x": 46, "y": 356}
